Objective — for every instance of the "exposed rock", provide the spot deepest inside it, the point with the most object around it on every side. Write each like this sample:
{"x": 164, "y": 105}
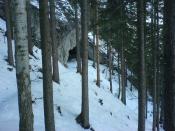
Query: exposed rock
{"x": 67, "y": 43}
{"x": 66, "y": 35}
{"x": 66, "y": 38}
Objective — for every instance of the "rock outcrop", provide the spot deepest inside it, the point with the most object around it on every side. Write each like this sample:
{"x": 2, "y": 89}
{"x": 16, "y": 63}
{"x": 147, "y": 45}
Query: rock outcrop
{"x": 66, "y": 33}
{"x": 66, "y": 38}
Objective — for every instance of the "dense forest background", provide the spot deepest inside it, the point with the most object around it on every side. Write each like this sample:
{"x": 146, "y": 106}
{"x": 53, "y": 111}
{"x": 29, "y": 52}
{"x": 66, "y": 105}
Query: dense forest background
{"x": 132, "y": 41}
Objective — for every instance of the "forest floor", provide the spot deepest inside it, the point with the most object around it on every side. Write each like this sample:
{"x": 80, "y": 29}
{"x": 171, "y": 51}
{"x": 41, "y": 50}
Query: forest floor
{"x": 107, "y": 113}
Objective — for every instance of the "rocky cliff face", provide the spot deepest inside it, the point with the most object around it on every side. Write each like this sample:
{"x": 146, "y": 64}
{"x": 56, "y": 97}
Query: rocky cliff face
{"x": 66, "y": 36}
{"x": 67, "y": 43}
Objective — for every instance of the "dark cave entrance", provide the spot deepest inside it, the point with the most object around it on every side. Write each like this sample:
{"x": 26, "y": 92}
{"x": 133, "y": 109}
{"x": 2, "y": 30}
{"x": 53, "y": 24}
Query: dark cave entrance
{"x": 72, "y": 54}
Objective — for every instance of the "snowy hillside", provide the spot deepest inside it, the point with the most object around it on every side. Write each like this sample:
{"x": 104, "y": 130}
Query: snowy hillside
{"x": 107, "y": 113}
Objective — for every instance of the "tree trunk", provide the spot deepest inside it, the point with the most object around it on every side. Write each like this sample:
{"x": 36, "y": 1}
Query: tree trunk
{"x": 126, "y": 82}
{"x": 158, "y": 66}
{"x": 123, "y": 93}
{"x": 47, "y": 68}
{"x": 142, "y": 82}
{"x": 169, "y": 64}
{"x": 94, "y": 52}
{"x": 94, "y": 32}
{"x": 9, "y": 33}
{"x": 158, "y": 104}
{"x": 119, "y": 83}
{"x": 22, "y": 67}
{"x": 97, "y": 46}
{"x": 12, "y": 17}
{"x": 29, "y": 28}
{"x": 155, "y": 69}
{"x": 83, "y": 118}
{"x": 131, "y": 86}
{"x": 55, "y": 76}
{"x": 146, "y": 106}
{"x": 77, "y": 39}
{"x": 161, "y": 121}
{"x": 110, "y": 68}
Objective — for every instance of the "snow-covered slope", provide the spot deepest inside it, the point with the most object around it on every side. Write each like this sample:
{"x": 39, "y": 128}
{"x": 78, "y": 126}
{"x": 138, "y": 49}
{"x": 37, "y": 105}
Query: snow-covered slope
{"x": 107, "y": 113}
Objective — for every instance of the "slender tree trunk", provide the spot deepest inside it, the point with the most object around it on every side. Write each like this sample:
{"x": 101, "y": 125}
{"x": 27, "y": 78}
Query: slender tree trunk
{"x": 131, "y": 86}
{"x": 162, "y": 111}
{"x": 83, "y": 118}
{"x": 158, "y": 104}
{"x": 112, "y": 62}
{"x": 110, "y": 68}
{"x": 169, "y": 64}
{"x": 154, "y": 93}
{"x": 158, "y": 65}
{"x": 77, "y": 39}
{"x": 161, "y": 93}
{"x": 22, "y": 67}
{"x": 11, "y": 8}
{"x": 97, "y": 46}
{"x": 47, "y": 68}
{"x": 155, "y": 70}
{"x": 161, "y": 121}
{"x": 123, "y": 78}
{"x": 9, "y": 33}
{"x": 94, "y": 52}
{"x": 126, "y": 82}
{"x": 119, "y": 83}
{"x": 123, "y": 95}
{"x": 55, "y": 76}
{"x": 142, "y": 82}
{"x": 29, "y": 28}
{"x": 94, "y": 36}
{"x": 146, "y": 106}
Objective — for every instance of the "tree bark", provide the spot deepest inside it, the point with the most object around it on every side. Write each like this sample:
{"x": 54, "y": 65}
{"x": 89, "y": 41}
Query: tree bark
{"x": 94, "y": 32}
{"x": 146, "y": 106}
{"x": 131, "y": 86}
{"x": 47, "y": 68}
{"x": 55, "y": 75}
{"x": 94, "y": 51}
{"x": 126, "y": 82}
{"x": 123, "y": 93}
{"x": 158, "y": 67}
{"x": 119, "y": 83}
{"x": 142, "y": 82}
{"x": 97, "y": 46}
{"x": 22, "y": 67}
{"x": 110, "y": 68}
{"x": 169, "y": 63}
{"x": 83, "y": 118}
{"x": 9, "y": 33}
{"x": 77, "y": 39}
{"x": 29, "y": 28}
{"x": 155, "y": 69}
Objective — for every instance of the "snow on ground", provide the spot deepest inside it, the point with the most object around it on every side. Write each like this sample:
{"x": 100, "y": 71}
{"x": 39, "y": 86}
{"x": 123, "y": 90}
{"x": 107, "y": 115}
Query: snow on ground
{"x": 107, "y": 113}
